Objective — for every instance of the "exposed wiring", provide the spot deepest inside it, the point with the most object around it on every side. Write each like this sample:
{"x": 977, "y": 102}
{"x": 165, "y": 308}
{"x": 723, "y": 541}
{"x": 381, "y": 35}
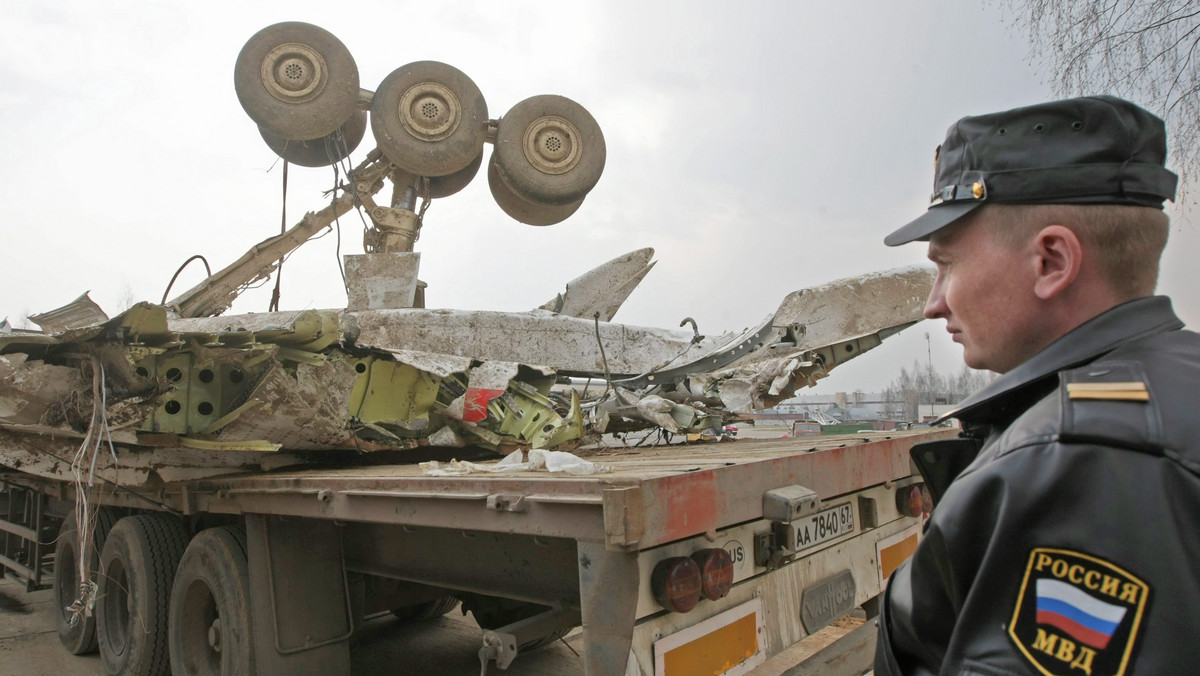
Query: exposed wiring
{"x": 607, "y": 374}
{"x": 98, "y": 432}
{"x": 175, "y": 276}
{"x": 336, "y": 218}
{"x": 274, "y": 304}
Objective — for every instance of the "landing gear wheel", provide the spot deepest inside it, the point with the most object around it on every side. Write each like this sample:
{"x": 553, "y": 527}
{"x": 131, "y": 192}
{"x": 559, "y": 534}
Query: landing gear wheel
{"x": 80, "y": 638}
{"x": 137, "y": 568}
{"x": 523, "y": 210}
{"x": 210, "y": 607}
{"x": 426, "y": 611}
{"x": 549, "y": 150}
{"x": 445, "y": 186}
{"x": 429, "y": 118}
{"x": 323, "y": 151}
{"x": 296, "y": 80}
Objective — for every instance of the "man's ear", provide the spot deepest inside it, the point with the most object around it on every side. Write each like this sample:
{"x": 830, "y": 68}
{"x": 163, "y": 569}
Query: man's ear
{"x": 1059, "y": 258}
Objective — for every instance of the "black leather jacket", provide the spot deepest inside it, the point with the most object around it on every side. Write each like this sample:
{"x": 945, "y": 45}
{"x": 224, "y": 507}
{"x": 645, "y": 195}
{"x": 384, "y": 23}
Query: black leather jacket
{"x": 1070, "y": 543}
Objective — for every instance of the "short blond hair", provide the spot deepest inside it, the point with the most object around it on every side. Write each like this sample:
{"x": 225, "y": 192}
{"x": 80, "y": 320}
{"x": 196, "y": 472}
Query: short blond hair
{"x": 1126, "y": 241}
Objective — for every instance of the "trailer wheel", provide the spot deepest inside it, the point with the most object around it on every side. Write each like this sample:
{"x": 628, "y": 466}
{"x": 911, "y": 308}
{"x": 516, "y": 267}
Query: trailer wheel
{"x": 426, "y": 611}
{"x": 80, "y": 638}
{"x": 137, "y": 568}
{"x": 210, "y": 607}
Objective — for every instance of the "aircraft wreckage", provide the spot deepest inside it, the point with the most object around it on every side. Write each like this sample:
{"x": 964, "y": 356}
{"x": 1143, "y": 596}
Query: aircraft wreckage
{"x": 176, "y": 390}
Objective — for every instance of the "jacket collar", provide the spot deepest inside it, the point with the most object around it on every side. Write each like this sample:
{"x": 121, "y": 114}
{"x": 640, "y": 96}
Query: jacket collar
{"x": 1095, "y": 337}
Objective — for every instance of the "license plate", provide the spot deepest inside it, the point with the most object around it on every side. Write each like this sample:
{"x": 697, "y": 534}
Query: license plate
{"x": 823, "y": 526}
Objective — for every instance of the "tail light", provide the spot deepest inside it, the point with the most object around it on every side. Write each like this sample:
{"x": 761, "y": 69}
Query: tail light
{"x": 910, "y": 500}
{"x": 676, "y": 583}
{"x": 716, "y": 572}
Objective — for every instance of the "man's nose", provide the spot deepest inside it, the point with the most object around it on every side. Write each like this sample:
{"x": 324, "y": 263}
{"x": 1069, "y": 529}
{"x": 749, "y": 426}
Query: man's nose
{"x": 935, "y": 305}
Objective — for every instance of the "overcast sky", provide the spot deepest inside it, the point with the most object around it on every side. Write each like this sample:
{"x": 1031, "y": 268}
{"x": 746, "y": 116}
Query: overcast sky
{"x": 759, "y": 147}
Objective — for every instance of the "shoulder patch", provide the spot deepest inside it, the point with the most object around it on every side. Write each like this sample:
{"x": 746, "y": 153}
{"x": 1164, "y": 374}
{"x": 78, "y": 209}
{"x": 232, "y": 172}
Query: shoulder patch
{"x": 1077, "y": 614}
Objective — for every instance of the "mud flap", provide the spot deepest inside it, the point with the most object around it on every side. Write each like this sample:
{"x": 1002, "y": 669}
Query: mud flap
{"x": 608, "y": 588}
{"x": 298, "y": 592}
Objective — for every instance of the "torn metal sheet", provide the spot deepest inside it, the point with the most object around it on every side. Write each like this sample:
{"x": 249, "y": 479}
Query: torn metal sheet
{"x": 602, "y": 290}
{"x": 79, "y": 313}
{"x": 303, "y": 408}
{"x": 654, "y": 410}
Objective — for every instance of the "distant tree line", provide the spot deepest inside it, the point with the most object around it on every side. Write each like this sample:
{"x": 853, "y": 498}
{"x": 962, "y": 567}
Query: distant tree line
{"x": 922, "y": 386}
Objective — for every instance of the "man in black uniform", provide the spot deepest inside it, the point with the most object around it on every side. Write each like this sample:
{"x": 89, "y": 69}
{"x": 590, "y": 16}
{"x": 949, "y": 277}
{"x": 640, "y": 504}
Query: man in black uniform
{"x": 1066, "y": 535}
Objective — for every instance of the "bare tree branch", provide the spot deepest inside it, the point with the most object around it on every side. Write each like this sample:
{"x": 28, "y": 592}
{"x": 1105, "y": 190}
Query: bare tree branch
{"x": 1144, "y": 50}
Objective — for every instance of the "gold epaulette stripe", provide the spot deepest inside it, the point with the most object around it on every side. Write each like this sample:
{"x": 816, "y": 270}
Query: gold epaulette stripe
{"x": 1110, "y": 391}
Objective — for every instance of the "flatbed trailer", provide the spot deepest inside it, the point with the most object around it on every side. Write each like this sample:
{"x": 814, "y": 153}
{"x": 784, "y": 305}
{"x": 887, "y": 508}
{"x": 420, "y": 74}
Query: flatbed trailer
{"x": 810, "y": 528}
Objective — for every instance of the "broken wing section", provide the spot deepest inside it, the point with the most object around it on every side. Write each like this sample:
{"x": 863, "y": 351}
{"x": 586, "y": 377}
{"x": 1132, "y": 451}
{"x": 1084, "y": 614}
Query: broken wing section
{"x": 812, "y": 332}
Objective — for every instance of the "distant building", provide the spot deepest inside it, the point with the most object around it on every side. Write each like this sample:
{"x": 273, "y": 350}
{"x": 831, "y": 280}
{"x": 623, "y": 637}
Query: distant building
{"x": 846, "y": 407}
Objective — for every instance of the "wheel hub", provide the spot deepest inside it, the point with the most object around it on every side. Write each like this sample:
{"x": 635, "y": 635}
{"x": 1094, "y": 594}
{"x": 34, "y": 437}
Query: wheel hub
{"x": 429, "y": 111}
{"x": 214, "y": 635}
{"x": 294, "y": 73}
{"x": 552, "y": 145}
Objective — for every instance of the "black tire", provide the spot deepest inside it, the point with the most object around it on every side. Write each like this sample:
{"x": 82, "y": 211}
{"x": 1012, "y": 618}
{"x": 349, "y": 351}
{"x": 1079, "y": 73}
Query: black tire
{"x": 429, "y": 118}
{"x": 80, "y": 638}
{"x": 296, "y": 80}
{"x": 428, "y": 610}
{"x": 137, "y": 569}
{"x": 549, "y": 150}
{"x": 323, "y": 151}
{"x": 210, "y": 632}
{"x": 523, "y": 210}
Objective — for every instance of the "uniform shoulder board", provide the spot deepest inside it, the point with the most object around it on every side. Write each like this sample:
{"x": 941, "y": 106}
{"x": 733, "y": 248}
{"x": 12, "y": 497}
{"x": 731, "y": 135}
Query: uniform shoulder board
{"x": 1111, "y": 391}
{"x": 1111, "y": 403}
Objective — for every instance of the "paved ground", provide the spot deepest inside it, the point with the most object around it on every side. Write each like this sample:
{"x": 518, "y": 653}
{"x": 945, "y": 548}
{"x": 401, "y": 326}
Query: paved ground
{"x": 447, "y": 646}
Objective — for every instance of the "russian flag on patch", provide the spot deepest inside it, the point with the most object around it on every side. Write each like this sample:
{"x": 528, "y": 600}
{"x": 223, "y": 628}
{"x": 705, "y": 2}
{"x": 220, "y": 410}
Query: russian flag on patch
{"x": 1081, "y": 615}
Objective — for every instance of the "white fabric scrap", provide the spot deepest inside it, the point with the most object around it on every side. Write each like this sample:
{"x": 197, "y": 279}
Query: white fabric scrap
{"x": 539, "y": 461}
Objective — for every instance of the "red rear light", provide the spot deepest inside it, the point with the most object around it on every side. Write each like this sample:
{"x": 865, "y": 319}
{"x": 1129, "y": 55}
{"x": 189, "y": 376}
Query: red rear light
{"x": 676, "y": 583}
{"x": 909, "y": 500}
{"x": 926, "y": 501}
{"x": 716, "y": 572}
